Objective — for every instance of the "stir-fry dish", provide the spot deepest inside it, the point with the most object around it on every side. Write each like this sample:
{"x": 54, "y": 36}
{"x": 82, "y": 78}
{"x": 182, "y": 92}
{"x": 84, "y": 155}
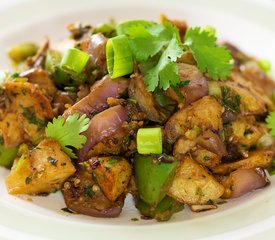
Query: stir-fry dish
{"x": 161, "y": 111}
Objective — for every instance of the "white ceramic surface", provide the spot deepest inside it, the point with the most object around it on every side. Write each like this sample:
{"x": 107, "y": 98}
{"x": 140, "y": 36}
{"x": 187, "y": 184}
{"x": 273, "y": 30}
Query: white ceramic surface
{"x": 248, "y": 24}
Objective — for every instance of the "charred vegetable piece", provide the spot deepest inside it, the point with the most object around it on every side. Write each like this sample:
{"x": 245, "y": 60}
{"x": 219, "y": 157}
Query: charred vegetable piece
{"x": 83, "y": 195}
{"x": 7, "y": 155}
{"x": 112, "y": 174}
{"x": 21, "y": 52}
{"x": 152, "y": 176}
{"x": 163, "y": 211}
{"x": 41, "y": 170}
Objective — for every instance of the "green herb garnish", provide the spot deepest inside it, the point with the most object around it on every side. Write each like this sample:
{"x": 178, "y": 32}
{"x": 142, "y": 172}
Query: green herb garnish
{"x": 67, "y": 132}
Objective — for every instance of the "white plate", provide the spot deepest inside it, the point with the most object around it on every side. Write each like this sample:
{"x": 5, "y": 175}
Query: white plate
{"x": 248, "y": 24}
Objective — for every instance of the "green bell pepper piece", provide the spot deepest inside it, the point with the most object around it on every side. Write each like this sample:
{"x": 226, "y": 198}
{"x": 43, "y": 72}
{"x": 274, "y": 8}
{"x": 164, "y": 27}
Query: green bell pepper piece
{"x": 152, "y": 176}
{"x": 7, "y": 155}
{"x": 164, "y": 210}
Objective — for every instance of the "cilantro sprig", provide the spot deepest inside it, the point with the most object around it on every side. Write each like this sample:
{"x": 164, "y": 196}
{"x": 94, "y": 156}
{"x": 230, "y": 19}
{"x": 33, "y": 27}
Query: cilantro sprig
{"x": 161, "y": 43}
{"x": 209, "y": 57}
{"x": 68, "y": 132}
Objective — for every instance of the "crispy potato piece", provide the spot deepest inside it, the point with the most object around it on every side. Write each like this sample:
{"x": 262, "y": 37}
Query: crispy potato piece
{"x": 11, "y": 130}
{"x": 113, "y": 145}
{"x": 204, "y": 113}
{"x": 42, "y": 170}
{"x": 256, "y": 159}
{"x": 256, "y": 82}
{"x": 251, "y": 102}
{"x": 183, "y": 146}
{"x": 245, "y": 131}
{"x": 192, "y": 184}
{"x": 31, "y": 105}
{"x": 24, "y": 95}
{"x": 112, "y": 175}
{"x": 40, "y": 77}
{"x": 205, "y": 157}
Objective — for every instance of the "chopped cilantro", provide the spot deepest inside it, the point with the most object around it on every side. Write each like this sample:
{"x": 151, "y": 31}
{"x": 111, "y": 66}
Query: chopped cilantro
{"x": 230, "y": 100}
{"x": 67, "y": 132}
{"x": 29, "y": 114}
{"x": 88, "y": 191}
{"x": 209, "y": 57}
{"x": 199, "y": 192}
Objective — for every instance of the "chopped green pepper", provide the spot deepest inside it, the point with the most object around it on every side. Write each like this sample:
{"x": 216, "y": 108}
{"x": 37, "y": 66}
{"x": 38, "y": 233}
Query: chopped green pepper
{"x": 152, "y": 176}
{"x": 164, "y": 210}
{"x": 7, "y": 155}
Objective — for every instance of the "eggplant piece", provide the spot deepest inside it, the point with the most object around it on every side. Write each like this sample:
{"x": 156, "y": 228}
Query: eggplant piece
{"x": 197, "y": 87}
{"x": 242, "y": 181}
{"x": 96, "y": 101}
{"x": 83, "y": 195}
{"x": 103, "y": 125}
{"x": 146, "y": 101}
{"x": 213, "y": 143}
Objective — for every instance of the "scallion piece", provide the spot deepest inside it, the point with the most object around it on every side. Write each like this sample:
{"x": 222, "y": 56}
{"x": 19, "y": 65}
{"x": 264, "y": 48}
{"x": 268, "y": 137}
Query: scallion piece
{"x": 149, "y": 141}
{"x": 265, "y": 65}
{"x": 119, "y": 56}
{"x": 74, "y": 61}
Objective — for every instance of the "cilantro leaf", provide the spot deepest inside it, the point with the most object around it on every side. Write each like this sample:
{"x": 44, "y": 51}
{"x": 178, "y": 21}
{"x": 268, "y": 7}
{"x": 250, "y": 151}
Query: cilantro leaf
{"x": 146, "y": 40}
{"x": 209, "y": 57}
{"x": 165, "y": 73}
{"x": 270, "y": 123}
{"x": 67, "y": 132}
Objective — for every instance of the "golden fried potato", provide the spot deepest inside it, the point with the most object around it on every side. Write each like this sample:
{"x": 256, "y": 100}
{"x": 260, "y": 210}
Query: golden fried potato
{"x": 112, "y": 175}
{"x": 42, "y": 170}
{"x": 256, "y": 159}
{"x": 32, "y": 106}
{"x": 251, "y": 102}
{"x": 245, "y": 131}
{"x": 204, "y": 114}
{"x": 11, "y": 130}
{"x": 192, "y": 184}
{"x": 205, "y": 157}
